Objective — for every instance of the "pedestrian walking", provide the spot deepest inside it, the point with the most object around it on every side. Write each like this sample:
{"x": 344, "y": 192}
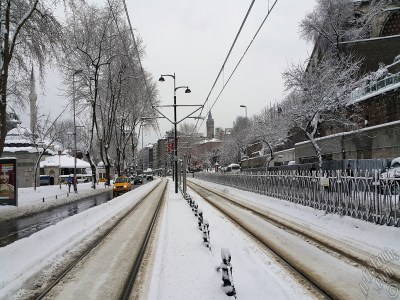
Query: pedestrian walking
{"x": 69, "y": 182}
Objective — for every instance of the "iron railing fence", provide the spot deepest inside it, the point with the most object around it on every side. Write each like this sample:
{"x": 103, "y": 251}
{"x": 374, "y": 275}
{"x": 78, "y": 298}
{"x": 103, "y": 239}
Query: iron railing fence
{"x": 363, "y": 196}
{"x": 374, "y": 87}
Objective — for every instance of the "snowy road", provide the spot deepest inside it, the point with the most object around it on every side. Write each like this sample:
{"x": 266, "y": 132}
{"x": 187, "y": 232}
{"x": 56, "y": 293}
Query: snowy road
{"x": 182, "y": 267}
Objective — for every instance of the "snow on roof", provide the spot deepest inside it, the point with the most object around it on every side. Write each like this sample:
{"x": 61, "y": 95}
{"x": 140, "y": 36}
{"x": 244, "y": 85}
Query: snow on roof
{"x": 20, "y": 149}
{"x": 64, "y": 161}
{"x": 19, "y": 134}
{"x": 375, "y": 93}
{"x": 214, "y": 140}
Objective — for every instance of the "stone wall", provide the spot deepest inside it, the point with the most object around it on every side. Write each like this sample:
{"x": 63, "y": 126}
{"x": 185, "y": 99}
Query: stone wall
{"x": 382, "y": 141}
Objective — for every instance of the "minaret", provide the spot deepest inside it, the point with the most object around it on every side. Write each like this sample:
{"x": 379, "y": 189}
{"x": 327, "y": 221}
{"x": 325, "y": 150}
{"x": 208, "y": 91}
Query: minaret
{"x": 32, "y": 100}
{"x": 210, "y": 126}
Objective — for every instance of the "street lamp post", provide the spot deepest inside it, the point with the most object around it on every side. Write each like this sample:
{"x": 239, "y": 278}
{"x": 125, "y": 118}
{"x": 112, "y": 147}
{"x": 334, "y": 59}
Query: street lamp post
{"x": 142, "y": 152}
{"x": 175, "y": 126}
{"x": 59, "y": 167}
{"x": 73, "y": 99}
{"x": 245, "y": 107}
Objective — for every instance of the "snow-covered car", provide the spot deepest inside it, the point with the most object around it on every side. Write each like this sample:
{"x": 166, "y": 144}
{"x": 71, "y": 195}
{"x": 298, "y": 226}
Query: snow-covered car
{"x": 390, "y": 179}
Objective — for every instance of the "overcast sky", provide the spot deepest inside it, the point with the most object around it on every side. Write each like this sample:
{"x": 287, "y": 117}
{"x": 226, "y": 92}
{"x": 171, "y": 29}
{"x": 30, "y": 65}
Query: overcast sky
{"x": 192, "y": 38}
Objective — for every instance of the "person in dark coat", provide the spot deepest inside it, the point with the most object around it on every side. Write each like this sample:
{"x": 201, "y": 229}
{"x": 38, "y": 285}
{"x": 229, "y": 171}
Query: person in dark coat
{"x": 349, "y": 171}
{"x": 69, "y": 182}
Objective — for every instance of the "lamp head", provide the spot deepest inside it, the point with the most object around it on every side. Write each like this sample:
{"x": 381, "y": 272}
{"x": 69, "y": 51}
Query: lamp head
{"x": 242, "y": 105}
{"x": 161, "y": 79}
{"x": 187, "y": 91}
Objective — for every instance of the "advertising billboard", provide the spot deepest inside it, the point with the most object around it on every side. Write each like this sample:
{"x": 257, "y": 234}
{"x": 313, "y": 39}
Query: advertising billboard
{"x": 8, "y": 181}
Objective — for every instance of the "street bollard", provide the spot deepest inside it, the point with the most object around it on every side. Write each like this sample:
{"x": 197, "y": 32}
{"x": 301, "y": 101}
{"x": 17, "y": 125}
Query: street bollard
{"x": 188, "y": 198}
{"x": 200, "y": 218}
{"x": 226, "y": 272}
{"x": 206, "y": 234}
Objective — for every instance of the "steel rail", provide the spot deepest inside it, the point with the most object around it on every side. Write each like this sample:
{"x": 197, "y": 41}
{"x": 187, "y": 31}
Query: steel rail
{"x": 90, "y": 248}
{"x": 139, "y": 259}
{"x": 307, "y": 234}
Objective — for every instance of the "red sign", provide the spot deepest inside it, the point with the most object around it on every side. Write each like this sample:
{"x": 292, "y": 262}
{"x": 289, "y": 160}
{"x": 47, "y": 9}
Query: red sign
{"x": 170, "y": 145}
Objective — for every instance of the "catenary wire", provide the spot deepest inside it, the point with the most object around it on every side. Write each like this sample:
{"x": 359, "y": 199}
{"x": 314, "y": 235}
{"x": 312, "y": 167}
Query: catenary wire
{"x": 240, "y": 60}
{"x": 140, "y": 62}
{"x": 227, "y": 57}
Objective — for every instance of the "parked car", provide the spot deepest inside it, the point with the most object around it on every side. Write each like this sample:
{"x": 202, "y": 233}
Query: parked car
{"x": 122, "y": 185}
{"x": 137, "y": 180}
{"x": 390, "y": 179}
{"x": 233, "y": 168}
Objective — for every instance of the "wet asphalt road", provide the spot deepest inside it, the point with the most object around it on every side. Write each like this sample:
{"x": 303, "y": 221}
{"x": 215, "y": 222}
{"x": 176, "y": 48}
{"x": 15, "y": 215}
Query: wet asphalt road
{"x": 14, "y": 230}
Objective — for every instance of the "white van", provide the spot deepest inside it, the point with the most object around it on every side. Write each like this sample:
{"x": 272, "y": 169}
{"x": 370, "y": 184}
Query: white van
{"x": 233, "y": 168}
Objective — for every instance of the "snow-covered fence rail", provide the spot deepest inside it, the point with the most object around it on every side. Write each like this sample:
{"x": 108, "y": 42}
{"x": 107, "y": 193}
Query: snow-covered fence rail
{"x": 379, "y": 86}
{"x": 363, "y": 196}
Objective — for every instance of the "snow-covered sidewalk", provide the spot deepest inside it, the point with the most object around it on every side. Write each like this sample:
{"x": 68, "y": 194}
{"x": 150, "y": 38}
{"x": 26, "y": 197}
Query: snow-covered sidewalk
{"x": 31, "y": 201}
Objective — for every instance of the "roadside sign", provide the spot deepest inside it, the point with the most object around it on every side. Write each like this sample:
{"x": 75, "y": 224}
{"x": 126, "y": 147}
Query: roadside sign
{"x": 8, "y": 181}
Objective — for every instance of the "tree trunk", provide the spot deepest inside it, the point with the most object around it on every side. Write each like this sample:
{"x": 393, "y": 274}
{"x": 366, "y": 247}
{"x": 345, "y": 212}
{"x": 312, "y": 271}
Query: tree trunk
{"x": 93, "y": 169}
{"x": 316, "y": 148}
{"x": 36, "y": 171}
{"x": 4, "y": 78}
{"x": 118, "y": 161}
{"x": 272, "y": 156}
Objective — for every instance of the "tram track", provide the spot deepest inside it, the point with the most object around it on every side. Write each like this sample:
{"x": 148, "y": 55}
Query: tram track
{"x": 315, "y": 257}
{"x": 109, "y": 266}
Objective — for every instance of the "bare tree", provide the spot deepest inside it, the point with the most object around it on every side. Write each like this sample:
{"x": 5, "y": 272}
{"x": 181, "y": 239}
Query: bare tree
{"x": 320, "y": 95}
{"x": 271, "y": 127}
{"x": 46, "y": 132}
{"x": 335, "y": 21}
{"x": 111, "y": 81}
{"x": 28, "y": 32}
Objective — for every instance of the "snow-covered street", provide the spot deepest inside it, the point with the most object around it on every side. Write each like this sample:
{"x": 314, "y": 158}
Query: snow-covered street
{"x": 183, "y": 268}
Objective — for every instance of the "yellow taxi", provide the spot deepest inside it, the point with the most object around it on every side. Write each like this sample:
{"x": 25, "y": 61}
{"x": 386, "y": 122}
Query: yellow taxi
{"x": 122, "y": 185}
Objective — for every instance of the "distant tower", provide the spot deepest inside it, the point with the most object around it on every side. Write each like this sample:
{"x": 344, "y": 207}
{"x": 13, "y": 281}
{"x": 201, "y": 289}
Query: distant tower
{"x": 210, "y": 126}
{"x": 32, "y": 100}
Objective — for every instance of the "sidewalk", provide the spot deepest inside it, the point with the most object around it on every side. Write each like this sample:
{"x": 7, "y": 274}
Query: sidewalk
{"x": 31, "y": 201}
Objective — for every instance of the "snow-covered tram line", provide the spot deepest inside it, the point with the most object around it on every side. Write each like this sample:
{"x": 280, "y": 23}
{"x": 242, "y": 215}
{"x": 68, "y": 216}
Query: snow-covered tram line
{"x": 337, "y": 269}
{"x": 111, "y": 265}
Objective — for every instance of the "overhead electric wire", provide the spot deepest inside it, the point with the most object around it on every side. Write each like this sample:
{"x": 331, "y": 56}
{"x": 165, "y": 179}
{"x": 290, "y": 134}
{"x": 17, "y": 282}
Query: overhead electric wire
{"x": 140, "y": 62}
{"x": 240, "y": 60}
{"x": 227, "y": 57}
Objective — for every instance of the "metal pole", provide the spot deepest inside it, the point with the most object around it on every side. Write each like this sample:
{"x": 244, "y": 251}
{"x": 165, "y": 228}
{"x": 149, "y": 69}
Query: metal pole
{"x": 142, "y": 153}
{"x": 73, "y": 96}
{"x": 59, "y": 168}
{"x": 184, "y": 176}
{"x": 175, "y": 141}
